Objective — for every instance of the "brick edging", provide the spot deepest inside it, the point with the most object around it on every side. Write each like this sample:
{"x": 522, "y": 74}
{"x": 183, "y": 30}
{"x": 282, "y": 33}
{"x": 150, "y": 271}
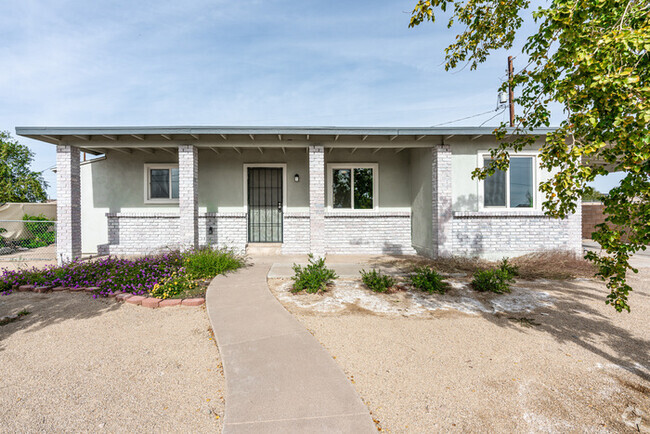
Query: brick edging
{"x": 138, "y": 300}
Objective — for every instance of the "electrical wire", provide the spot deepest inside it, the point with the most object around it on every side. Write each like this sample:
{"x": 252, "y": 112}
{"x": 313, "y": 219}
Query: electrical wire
{"x": 502, "y": 111}
{"x": 465, "y": 118}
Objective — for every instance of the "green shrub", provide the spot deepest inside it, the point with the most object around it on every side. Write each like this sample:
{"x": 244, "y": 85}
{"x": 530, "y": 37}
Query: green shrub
{"x": 376, "y": 281}
{"x": 206, "y": 263}
{"x": 40, "y": 230}
{"x": 509, "y": 268}
{"x": 173, "y": 286}
{"x": 312, "y": 278}
{"x": 495, "y": 280}
{"x": 426, "y": 279}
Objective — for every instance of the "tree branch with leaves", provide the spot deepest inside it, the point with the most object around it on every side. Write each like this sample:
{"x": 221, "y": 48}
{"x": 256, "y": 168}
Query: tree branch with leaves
{"x": 18, "y": 183}
{"x": 592, "y": 58}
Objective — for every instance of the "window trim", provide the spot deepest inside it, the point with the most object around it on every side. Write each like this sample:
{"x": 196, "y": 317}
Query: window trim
{"x": 147, "y": 182}
{"x": 481, "y": 156}
{"x": 352, "y": 166}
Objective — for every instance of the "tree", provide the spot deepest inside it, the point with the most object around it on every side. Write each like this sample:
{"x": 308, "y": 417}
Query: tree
{"x": 17, "y": 182}
{"x": 591, "y": 57}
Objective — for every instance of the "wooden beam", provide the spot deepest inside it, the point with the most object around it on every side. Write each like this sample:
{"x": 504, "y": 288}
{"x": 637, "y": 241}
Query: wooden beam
{"x": 376, "y": 150}
{"x": 280, "y": 137}
{"x": 476, "y": 137}
{"x": 146, "y": 151}
{"x": 307, "y": 136}
{"x": 353, "y": 150}
{"x": 330, "y": 151}
{"x": 194, "y": 136}
{"x": 259, "y": 148}
{"x": 336, "y": 138}
{"x": 363, "y": 139}
{"x": 84, "y": 138}
{"x": 110, "y": 137}
{"x": 167, "y": 150}
{"x": 53, "y": 138}
{"x": 236, "y": 149}
{"x": 252, "y": 137}
{"x": 123, "y": 150}
{"x": 397, "y": 151}
{"x": 283, "y": 150}
{"x": 166, "y": 136}
{"x": 449, "y": 137}
{"x": 418, "y": 138}
{"x": 138, "y": 136}
{"x": 223, "y": 136}
{"x": 393, "y": 138}
{"x": 215, "y": 150}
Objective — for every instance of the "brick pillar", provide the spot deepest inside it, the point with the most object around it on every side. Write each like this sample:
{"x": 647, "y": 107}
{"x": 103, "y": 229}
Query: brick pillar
{"x": 317, "y": 200}
{"x": 441, "y": 192}
{"x": 575, "y": 230}
{"x": 188, "y": 192}
{"x": 68, "y": 204}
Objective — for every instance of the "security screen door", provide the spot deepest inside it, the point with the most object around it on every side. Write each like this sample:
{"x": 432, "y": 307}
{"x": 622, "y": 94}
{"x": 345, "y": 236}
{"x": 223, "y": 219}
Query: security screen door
{"x": 264, "y": 205}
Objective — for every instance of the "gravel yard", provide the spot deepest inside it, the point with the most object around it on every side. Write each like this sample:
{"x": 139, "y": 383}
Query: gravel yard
{"x": 77, "y": 364}
{"x": 564, "y": 363}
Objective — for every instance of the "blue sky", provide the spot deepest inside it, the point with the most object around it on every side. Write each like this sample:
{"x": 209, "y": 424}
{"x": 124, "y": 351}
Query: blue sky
{"x": 217, "y": 62}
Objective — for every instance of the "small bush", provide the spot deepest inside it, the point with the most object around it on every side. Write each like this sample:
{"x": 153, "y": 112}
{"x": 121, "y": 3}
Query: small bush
{"x": 495, "y": 280}
{"x": 426, "y": 279}
{"x": 173, "y": 286}
{"x": 376, "y": 281}
{"x": 206, "y": 263}
{"x": 313, "y": 277}
{"x": 508, "y": 267}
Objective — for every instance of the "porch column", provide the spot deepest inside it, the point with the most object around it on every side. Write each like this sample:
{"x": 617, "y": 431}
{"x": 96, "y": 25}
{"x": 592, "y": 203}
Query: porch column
{"x": 188, "y": 196}
{"x": 68, "y": 204}
{"x": 317, "y": 200}
{"x": 441, "y": 192}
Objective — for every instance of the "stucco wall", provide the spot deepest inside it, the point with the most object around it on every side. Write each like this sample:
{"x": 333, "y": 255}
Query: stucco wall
{"x": 421, "y": 211}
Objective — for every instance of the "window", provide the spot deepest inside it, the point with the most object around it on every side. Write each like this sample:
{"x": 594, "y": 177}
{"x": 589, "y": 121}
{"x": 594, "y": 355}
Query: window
{"x": 513, "y": 188}
{"x": 353, "y": 186}
{"x": 161, "y": 183}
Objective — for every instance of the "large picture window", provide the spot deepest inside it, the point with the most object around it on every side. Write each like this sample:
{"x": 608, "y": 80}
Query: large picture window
{"x": 161, "y": 183}
{"x": 514, "y": 188}
{"x": 353, "y": 186}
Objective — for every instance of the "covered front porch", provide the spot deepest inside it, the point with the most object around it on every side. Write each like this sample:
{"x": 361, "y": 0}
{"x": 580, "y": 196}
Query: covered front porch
{"x": 329, "y": 190}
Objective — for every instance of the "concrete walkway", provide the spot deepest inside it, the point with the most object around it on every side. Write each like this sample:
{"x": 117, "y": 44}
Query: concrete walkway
{"x": 278, "y": 376}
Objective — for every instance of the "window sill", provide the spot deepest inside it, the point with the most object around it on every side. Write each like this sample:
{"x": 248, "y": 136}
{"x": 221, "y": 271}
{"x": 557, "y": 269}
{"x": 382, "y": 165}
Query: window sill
{"x": 161, "y": 202}
{"x": 366, "y": 213}
{"x": 499, "y": 213}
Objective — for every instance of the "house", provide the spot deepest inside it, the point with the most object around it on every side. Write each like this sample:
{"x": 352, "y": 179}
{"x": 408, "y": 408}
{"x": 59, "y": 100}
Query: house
{"x": 322, "y": 190}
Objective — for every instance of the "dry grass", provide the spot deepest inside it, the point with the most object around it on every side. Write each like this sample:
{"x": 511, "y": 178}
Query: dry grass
{"x": 554, "y": 265}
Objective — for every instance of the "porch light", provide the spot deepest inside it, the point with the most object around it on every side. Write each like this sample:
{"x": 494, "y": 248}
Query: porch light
{"x": 296, "y": 177}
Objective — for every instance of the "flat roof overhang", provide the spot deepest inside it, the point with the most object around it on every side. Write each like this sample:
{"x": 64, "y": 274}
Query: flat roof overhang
{"x": 97, "y": 140}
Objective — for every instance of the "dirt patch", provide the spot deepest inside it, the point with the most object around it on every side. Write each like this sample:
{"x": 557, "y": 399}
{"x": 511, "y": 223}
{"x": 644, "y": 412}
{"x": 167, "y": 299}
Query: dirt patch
{"x": 82, "y": 364}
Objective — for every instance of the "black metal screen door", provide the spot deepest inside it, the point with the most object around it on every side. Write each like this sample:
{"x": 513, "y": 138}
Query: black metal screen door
{"x": 264, "y": 205}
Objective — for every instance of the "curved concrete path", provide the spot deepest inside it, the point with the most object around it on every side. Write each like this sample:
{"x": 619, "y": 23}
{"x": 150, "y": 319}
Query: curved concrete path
{"x": 278, "y": 376}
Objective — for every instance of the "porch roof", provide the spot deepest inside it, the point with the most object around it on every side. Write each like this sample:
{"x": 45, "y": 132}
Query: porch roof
{"x": 97, "y": 140}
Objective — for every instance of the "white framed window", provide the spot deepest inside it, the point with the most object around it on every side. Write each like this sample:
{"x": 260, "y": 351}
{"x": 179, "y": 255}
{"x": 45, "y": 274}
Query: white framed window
{"x": 352, "y": 186}
{"x": 161, "y": 183}
{"x": 515, "y": 188}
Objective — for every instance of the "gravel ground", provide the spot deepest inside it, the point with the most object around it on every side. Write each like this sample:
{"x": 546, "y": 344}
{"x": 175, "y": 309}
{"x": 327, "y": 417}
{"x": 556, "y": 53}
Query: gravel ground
{"x": 77, "y": 364}
{"x": 573, "y": 366}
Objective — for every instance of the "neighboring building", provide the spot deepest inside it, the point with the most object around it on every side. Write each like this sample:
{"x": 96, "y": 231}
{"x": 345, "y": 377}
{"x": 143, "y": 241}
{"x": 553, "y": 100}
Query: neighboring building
{"x": 319, "y": 190}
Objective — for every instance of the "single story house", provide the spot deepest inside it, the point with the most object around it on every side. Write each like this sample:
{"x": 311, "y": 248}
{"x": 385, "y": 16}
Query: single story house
{"x": 320, "y": 190}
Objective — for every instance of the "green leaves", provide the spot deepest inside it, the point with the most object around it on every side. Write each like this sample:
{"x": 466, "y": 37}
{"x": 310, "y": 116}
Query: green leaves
{"x": 592, "y": 57}
{"x": 17, "y": 182}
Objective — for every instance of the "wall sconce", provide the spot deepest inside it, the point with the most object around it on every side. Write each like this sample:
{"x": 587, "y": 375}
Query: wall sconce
{"x": 210, "y": 230}
{"x": 296, "y": 177}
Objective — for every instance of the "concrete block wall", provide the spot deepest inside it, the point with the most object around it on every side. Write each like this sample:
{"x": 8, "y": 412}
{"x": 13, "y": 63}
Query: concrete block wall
{"x": 188, "y": 195}
{"x": 68, "y": 194}
{"x": 369, "y": 233}
{"x": 493, "y": 235}
{"x": 317, "y": 200}
{"x": 296, "y": 230}
{"x": 441, "y": 200}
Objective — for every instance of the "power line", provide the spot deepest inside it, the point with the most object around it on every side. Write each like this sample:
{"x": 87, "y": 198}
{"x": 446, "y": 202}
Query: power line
{"x": 468, "y": 117}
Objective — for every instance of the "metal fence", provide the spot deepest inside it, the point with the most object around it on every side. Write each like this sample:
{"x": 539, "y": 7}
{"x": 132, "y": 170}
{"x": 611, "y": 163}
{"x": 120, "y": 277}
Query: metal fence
{"x": 27, "y": 240}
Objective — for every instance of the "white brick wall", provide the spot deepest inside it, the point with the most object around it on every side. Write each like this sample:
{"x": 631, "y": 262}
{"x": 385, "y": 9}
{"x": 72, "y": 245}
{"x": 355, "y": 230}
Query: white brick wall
{"x": 317, "y": 200}
{"x": 369, "y": 233}
{"x": 441, "y": 200}
{"x": 295, "y": 233}
{"x": 188, "y": 192}
{"x": 149, "y": 233}
{"x": 497, "y": 234}
{"x": 68, "y": 195}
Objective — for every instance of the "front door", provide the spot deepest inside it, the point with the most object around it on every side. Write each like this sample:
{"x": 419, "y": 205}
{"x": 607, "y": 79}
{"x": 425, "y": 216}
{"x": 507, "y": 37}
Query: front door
{"x": 264, "y": 205}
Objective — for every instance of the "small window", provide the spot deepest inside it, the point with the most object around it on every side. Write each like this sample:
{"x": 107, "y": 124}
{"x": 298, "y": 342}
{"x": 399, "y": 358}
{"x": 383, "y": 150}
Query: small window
{"x": 162, "y": 183}
{"x": 353, "y": 187}
{"x": 513, "y": 188}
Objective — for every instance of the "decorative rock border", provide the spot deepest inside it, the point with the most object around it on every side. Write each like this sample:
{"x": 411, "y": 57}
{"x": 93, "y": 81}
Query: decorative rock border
{"x": 138, "y": 300}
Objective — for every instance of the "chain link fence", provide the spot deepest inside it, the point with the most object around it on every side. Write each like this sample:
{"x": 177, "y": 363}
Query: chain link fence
{"x": 27, "y": 240}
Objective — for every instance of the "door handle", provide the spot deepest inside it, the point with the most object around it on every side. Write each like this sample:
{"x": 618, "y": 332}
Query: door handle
{"x": 280, "y": 206}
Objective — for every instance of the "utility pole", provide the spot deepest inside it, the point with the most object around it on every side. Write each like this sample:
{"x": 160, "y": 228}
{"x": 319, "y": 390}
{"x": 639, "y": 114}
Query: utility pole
{"x": 511, "y": 94}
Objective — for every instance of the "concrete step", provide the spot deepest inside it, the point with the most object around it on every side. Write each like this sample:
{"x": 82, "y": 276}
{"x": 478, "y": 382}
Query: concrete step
{"x": 263, "y": 249}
